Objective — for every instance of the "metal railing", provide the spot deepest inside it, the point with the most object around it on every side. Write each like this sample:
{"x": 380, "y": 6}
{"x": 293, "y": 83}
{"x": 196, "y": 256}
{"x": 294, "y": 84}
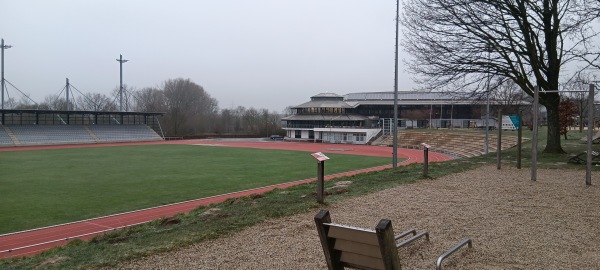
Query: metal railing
{"x": 438, "y": 264}
{"x": 413, "y": 238}
{"x": 407, "y": 232}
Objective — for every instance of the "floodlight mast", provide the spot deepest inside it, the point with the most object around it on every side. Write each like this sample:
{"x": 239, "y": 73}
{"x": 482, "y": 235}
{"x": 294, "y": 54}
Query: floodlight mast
{"x": 121, "y": 61}
{"x": 2, "y": 48}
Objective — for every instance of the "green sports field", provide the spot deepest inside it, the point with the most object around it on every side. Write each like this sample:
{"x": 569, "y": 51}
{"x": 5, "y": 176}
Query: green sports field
{"x": 47, "y": 187}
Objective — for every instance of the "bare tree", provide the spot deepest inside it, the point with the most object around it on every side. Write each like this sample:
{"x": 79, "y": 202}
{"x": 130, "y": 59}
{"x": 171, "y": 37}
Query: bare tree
{"x": 226, "y": 122}
{"x": 460, "y": 43}
{"x": 251, "y": 121}
{"x": 189, "y": 108}
{"x": 24, "y": 103}
{"x": 150, "y": 99}
{"x": 128, "y": 99}
{"x": 580, "y": 83}
{"x": 508, "y": 94}
{"x": 288, "y": 111}
{"x": 55, "y": 102}
{"x": 95, "y": 102}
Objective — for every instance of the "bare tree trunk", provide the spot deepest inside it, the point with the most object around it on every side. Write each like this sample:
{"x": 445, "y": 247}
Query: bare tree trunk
{"x": 553, "y": 140}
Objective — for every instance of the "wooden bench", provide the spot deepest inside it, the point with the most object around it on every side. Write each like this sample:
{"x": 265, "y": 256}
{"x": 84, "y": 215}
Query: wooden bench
{"x": 347, "y": 246}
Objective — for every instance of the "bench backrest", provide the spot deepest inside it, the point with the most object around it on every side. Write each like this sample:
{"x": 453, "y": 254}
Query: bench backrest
{"x": 356, "y": 247}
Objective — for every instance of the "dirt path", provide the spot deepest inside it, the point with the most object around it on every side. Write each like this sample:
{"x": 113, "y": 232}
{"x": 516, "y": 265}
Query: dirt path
{"x": 514, "y": 224}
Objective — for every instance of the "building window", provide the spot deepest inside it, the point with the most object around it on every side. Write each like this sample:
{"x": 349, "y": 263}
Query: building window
{"x": 359, "y": 137}
{"x": 298, "y": 134}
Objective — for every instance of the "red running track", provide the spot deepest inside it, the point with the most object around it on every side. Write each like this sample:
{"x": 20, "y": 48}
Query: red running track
{"x": 37, "y": 240}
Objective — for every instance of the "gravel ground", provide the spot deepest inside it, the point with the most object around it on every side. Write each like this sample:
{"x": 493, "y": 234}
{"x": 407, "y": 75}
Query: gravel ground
{"x": 514, "y": 224}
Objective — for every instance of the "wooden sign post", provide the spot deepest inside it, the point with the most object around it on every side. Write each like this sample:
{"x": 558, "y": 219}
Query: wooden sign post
{"x": 320, "y": 175}
{"x": 425, "y": 159}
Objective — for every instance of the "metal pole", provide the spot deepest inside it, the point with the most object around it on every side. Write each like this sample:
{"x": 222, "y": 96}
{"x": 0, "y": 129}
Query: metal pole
{"x": 520, "y": 139}
{"x": 534, "y": 141}
{"x": 3, "y": 47}
{"x": 67, "y": 94}
{"x": 499, "y": 147}
{"x": 441, "y": 113}
{"x": 487, "y": 113}
{"x": 121, "y": 82}
{"x": 590, "y": 131}
{"x": 430, "y": 116}
{"x": 121, "y": 61}
{"x": 451, "y": 117}
{"x": 395, "y": 127}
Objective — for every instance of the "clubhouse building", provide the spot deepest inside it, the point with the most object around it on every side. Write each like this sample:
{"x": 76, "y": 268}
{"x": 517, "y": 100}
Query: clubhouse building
{"x": 359, "y": 118}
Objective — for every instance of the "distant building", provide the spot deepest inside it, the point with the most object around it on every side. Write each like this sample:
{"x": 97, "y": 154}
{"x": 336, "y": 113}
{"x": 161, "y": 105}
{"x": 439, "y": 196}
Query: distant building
{"x": 358, "y": 118}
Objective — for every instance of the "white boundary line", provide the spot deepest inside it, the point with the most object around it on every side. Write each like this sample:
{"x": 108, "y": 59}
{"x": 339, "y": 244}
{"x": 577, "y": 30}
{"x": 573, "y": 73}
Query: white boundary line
{"x": 68, "y": 238}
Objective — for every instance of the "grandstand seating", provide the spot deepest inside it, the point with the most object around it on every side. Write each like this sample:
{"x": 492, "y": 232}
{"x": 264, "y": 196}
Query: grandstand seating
{"x": 459, "y": 144}
{"x": 50, "y": 134}
{"x": 74, "y": 134}
{"x": 5, "y": 139}
{"x": 124, "y": 133}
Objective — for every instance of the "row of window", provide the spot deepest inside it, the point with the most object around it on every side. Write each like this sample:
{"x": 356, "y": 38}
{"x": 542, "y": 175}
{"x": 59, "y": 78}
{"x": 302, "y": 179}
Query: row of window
{"x": 343, "y": 137}
{"x": 320, "y": 110}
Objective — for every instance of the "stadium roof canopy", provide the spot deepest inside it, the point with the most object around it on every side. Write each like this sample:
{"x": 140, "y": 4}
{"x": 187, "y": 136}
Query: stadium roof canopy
{"x": 31, "y": 111}
{"x": 353, "y": 100}
{"x": 410, "y": 98}
{"x": 30, "y": 116}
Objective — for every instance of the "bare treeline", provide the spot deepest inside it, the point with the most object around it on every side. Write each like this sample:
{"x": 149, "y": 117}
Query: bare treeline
{"x": 189, "y": 109}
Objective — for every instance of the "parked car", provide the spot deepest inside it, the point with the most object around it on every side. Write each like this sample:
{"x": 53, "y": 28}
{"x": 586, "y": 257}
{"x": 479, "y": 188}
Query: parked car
{"x": 276, "y": 138}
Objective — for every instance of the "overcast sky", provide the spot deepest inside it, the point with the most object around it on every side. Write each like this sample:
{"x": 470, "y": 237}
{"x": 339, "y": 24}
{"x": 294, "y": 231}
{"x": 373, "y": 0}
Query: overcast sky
{"x": 252, "y": 53}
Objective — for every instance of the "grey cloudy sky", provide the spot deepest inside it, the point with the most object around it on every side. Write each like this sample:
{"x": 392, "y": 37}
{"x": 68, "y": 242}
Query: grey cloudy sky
{"x": 253, "y": 53}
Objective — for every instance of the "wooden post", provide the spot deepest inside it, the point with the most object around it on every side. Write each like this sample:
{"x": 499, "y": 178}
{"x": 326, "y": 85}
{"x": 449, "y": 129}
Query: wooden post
{"x": 425, "y": 162}
{"x": 499, "y": 147}
{"x": 590, "y": 134}
{"x": 331, "y": 256}
{"x": 387, "y": 245}
{"x": 321, "y": 181}
{"x": 519, "y": 140}
{"x": 425, "y": 159}
{"x": 534, "y": 141}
